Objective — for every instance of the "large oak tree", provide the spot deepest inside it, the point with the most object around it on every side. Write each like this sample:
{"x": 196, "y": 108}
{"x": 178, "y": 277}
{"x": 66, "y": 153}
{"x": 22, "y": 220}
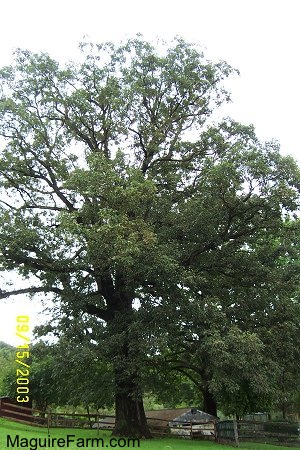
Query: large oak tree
{"x": 117, "y": 190}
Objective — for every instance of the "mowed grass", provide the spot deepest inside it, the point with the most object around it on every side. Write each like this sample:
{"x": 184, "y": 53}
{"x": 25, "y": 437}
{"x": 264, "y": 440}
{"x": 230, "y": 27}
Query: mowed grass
{"x": 11, "y": 428}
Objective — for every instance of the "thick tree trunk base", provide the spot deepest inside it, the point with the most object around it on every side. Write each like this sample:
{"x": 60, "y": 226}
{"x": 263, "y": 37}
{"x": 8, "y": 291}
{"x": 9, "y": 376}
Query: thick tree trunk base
{"x": 130, "y": 418}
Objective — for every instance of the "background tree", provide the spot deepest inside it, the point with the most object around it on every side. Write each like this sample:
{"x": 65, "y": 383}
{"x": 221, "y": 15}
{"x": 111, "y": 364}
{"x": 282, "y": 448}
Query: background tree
{"x": 108, "y": 201}
{"x": 86, "y": 372}
{"x": 54, "y": 383}
{"x": 240, "y": 332}
{"x": 169, "y": 388}
{"x": 7, "y": 364}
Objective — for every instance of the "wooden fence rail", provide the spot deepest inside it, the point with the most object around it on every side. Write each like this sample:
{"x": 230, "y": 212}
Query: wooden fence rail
{"x": 50, "y": 419}
{"x": 250, "y": 430}
{"x": 222, "y": 431}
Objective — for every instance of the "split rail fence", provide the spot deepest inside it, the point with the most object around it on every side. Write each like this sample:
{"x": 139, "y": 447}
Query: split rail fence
{"x": 36, "y": 417}
{"x": 222, "y": 431}
{"x": 160, "y": 427}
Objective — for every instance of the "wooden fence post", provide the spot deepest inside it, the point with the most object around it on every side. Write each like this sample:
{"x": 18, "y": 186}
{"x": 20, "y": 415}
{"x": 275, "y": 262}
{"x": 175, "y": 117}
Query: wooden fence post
{"x": 49, "y": 421}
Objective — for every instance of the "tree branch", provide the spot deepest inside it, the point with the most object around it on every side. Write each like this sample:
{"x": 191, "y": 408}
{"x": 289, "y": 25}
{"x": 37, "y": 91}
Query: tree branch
{"x": 98, "y": 312}
{"x": 31, "y": 290}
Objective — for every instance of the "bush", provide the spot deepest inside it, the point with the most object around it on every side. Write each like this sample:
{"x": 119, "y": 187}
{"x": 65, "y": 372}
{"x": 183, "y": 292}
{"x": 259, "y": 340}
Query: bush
{"x": 282, "y": 428}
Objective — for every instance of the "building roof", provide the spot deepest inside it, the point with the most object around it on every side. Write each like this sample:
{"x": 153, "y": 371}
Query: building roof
{"x": 192, "y": 415}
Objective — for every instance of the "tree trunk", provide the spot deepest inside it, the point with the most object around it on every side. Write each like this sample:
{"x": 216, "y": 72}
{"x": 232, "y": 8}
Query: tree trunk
{"x": 209, "y": 403}
{"x": 126, "y": 357}
{"x": 89, "y": 416}
{"x": 130, "y": 415}
{"x": 283, "y": 409}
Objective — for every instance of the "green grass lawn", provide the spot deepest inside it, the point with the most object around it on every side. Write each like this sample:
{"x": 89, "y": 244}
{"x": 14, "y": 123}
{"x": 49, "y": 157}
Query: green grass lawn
{"x": 25, "y": 431}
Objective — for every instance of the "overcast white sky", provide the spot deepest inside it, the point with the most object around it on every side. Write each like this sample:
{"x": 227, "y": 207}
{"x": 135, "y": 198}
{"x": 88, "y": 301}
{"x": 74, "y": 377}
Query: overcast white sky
{"x": 259, "y": 37}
